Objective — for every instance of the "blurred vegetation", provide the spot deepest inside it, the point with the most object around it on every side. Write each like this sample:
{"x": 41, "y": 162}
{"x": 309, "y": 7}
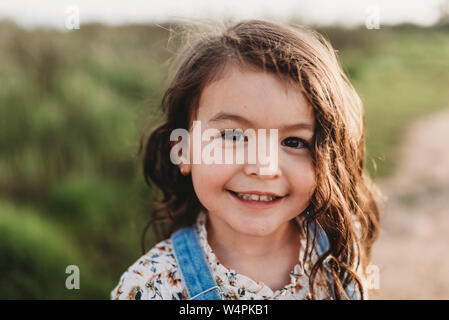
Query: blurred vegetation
{"x": 400, "y": 73}
{"x": 72, "y": 105}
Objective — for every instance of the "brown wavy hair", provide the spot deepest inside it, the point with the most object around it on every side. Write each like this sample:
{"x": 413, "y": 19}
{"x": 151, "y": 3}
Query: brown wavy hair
{"x": 344, "y": 195}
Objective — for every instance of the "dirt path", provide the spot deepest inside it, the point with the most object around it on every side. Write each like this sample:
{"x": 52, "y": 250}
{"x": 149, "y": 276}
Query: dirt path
{"x": 412, "y": 251}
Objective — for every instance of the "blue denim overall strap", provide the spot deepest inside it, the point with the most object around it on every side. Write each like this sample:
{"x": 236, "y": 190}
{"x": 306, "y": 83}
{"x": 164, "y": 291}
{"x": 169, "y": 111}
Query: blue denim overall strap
{"x": 323, "y": 246}
{"x": 194, "y": 268}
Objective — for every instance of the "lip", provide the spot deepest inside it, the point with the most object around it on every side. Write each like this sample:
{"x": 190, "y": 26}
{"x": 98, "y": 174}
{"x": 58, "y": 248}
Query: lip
{"x": 259, "y": 193}
{"x": 254, "y": 204}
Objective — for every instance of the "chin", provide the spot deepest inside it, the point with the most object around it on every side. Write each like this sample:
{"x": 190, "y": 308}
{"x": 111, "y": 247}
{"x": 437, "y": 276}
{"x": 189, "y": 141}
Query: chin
{"x": 254, "y": 230}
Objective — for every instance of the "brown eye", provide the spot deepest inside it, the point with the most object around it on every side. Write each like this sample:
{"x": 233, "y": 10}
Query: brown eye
{"x": 234, "y": 136}
{"x": 296, "y": 143}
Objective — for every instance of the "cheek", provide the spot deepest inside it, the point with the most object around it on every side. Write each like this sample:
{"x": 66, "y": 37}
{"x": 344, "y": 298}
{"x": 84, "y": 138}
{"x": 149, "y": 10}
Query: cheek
{"x": 303, "y": 178}
{"x": 209, "y": 180}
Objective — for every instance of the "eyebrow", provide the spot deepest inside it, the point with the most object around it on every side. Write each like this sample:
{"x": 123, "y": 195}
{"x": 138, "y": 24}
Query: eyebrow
{"x": 221, "y": 116}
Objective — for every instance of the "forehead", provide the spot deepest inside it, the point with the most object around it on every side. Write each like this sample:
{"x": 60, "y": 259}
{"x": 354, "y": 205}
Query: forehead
{"x": 265, "y": 99}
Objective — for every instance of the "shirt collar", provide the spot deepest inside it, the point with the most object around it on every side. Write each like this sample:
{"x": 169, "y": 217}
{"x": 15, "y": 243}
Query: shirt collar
{"x": 231, "y": 279}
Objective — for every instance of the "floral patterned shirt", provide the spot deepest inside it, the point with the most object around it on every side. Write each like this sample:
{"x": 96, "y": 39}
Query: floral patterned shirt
{"x": 156, "y": 276}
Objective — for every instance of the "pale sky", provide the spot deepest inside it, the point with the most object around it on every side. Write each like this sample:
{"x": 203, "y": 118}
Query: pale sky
{"x": 53, "y": 13}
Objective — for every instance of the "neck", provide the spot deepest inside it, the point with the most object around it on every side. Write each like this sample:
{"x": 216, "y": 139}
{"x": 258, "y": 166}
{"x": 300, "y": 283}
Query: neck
{"x": 230, "y": 246}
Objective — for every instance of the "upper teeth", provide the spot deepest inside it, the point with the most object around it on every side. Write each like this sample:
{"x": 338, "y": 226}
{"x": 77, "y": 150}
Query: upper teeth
{"x": 256, "y": 197}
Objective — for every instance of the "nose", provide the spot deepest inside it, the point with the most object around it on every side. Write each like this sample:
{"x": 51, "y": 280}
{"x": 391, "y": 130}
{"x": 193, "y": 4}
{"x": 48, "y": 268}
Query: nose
{"x": 257, "y": 171}
{"x": 265, "y": 166}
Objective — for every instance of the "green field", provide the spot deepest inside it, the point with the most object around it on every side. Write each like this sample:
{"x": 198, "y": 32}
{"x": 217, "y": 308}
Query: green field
{"x": 71, "y": 108}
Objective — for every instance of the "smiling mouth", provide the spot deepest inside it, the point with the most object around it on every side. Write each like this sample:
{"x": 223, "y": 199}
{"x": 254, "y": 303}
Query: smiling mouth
{"x": 256, "y": 197}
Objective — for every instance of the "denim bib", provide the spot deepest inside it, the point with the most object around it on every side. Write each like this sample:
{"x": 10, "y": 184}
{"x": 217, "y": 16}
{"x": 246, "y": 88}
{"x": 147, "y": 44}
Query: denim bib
{"x": 195, "y": 271}
{"x": 197, "y": 275}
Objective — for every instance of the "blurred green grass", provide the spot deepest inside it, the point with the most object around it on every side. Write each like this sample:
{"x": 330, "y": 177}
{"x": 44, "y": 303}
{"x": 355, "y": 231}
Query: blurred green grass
{"x": 400, "y": 73}
{"x": 71, "y": 108}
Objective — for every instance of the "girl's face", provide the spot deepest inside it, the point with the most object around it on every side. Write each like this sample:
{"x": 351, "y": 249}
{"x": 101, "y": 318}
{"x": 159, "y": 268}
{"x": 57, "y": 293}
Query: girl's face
{"x": 261, "y": 101}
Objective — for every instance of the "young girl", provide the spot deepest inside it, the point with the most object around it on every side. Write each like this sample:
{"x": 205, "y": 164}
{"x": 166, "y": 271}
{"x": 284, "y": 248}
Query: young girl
{"x": 301, "y": 231}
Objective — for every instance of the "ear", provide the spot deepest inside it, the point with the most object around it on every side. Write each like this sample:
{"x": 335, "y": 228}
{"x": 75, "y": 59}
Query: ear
{"x": 184, "y": 165}
{"x": 185, "y": 169}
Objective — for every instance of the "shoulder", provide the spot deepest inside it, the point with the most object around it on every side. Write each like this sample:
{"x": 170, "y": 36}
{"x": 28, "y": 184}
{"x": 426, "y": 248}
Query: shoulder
{"x": 154, "y": 276}
{"x": 359, "y": 267}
